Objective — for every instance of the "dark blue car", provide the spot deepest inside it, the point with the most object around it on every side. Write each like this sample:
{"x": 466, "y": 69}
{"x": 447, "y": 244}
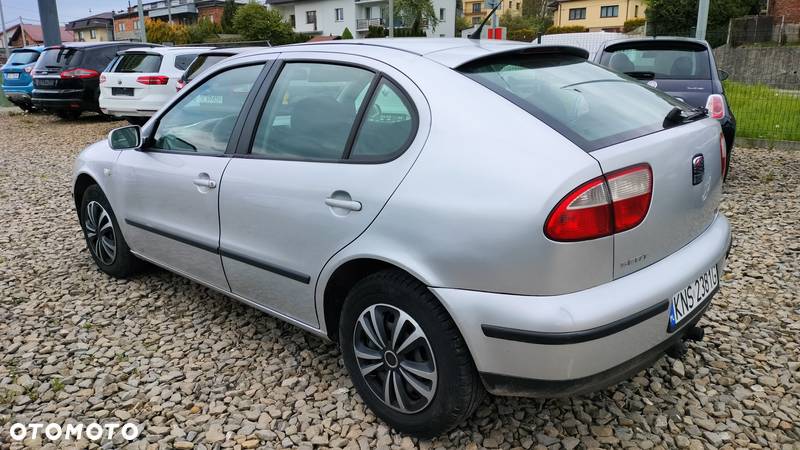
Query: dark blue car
{"x": 17, "y": 76}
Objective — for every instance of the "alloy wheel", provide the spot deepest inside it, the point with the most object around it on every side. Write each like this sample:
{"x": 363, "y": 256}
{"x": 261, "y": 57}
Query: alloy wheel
{"x": 100, "y": 233}
{"x": 395, "y": 358}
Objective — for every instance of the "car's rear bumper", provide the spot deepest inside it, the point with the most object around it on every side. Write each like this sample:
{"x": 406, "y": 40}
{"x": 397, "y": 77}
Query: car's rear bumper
{"x": 583, "y": 341}
{"x": 144, "y": 107}
{"x": 59, "y": 99}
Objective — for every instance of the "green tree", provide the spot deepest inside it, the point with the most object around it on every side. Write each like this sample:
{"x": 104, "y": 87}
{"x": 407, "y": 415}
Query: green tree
{"x": 346, "y": 34}
{"x": 462, "y": 24}
{"x": 416, "y": 12}
{"x": 679, "y": 17}
{"x": 523, "y": 28}
{"x": 227, "y": 16}
{"x": 257, "y": 23}
{"x": 203, "y": 31}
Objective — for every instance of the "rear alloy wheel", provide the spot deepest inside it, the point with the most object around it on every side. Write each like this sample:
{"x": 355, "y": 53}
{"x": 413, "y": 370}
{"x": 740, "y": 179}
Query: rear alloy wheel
{"x": 103, "y": 236}
{"x": 406, "y": 356}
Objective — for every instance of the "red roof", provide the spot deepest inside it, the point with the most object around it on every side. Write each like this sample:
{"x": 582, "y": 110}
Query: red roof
{"x": 34, "y": 32}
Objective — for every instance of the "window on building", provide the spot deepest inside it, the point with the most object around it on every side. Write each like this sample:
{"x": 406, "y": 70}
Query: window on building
{"x": 339, "y": 14}
{"x": 519, "y": 5}
{"x": 80, "y": 35}
{"x": 292, "y": 21}
{"x": 441, "y": 14}
{"x": 93, "y": 34}
{"x": 609, "y": 11}
{"x": 121, "y": 26}
{"x": 476, "y": 20}
{"x": 135, "y": 24}
{"x": 476, "y": 7}
{"x": 311, "y": 17}
{"x": 577, "y": 13}
{"x": 636, "y": 11}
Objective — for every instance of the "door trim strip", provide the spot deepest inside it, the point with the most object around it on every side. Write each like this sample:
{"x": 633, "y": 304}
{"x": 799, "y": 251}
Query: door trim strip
{"x": 288, "y": 273}
{"x": 172, "y": 236}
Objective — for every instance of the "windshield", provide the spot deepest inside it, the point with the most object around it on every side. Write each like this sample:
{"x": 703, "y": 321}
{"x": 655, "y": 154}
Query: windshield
{"x": 202, "y": 63}
{"x": 59, "y": 57}
{"x": 138, "y": 63}
{"x": 21, "y": 58}
{"x": 664, "y": 61}
{"x": 588, "y": 104}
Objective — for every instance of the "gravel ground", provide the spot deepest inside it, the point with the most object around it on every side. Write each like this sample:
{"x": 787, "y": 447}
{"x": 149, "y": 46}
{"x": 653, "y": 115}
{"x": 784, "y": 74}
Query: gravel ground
{"x": 195, "y": 369}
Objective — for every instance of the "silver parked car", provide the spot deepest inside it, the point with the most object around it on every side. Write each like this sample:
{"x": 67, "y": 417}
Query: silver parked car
{"x": 459, "y": 216}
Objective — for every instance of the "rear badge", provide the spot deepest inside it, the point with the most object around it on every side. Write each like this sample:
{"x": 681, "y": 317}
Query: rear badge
{"x": 698, "y": 169}
{"x": 652, "y": 83}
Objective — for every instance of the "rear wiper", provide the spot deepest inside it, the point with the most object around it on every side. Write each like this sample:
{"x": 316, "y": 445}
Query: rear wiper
{"x": 639, "y": 75}
{"x": 677, "y": 116}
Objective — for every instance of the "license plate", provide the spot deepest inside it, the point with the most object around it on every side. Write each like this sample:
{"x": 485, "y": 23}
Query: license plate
{"x": 45, "y": 82}
{"x": 12, "y": 76}
{"x": 122, "y": 91}
{"x": 692, "y": 297}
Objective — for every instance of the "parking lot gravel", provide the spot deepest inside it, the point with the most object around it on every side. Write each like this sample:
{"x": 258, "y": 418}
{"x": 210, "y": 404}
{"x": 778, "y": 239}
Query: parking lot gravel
{"x": 194, "y": 369}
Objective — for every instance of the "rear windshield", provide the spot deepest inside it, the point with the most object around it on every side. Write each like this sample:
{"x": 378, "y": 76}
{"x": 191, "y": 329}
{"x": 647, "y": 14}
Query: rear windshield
{"x": 21, "y": 58}
{"x": 60, "y": 57}
{"x": 588, "y": 104}
{"x": 202, "y": 63}
{"x": 138, "y": 63}
{"x": 664, "y": 61}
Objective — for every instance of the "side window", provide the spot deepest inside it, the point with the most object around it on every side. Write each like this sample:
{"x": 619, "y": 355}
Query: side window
{"x": 311, "y": 111}
{"x": 388, "y": 125}
{"x": 183, "y": 61}
{"x": 203, "y": 121}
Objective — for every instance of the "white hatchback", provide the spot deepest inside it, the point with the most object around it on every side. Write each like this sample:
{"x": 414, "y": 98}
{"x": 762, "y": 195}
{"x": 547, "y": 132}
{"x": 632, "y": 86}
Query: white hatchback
{"x": 142, "y": 80}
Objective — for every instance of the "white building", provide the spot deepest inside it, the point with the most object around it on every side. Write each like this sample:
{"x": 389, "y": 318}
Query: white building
{"x": 331, "y": 17}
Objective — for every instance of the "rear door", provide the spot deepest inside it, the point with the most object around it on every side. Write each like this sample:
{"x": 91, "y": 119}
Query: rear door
{"x": 679, "y": 68}
{"x": 336, "y": 136}
{"x": 121, "y": 82}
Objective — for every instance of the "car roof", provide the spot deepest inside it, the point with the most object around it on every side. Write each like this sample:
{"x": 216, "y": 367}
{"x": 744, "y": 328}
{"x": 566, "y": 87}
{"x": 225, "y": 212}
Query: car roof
{"x": 165, "y": 50}
{"x": 230, "y": 51}
{"x": 88, "y": 45}
{"x": 451, "y": 52}
{"x": 32, "y": 48}
{"x": 655, "y": 39}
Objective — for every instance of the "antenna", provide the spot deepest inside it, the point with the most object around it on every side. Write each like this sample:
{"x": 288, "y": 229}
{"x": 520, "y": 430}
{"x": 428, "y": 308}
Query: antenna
{"x": 477, "y": 33}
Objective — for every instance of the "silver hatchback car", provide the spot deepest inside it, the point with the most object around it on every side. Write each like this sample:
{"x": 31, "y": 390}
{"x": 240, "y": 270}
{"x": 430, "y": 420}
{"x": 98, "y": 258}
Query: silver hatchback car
{"x": 459, "y": 216}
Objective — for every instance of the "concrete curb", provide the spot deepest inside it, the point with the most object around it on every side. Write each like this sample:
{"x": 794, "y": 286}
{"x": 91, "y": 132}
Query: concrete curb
{"x": 767, "y": 143}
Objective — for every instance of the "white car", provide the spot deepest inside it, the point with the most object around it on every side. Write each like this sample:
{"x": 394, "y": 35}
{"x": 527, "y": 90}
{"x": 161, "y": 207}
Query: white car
{"x": 142, "y": 80}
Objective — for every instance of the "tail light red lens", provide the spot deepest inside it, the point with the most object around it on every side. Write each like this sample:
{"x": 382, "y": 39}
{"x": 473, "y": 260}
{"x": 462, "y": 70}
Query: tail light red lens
{"x": 723, "y": 154}
{"x": 28, "y": 69}
{"x": 715, "y": 106}
{"x": 79, "y": 73}
{"x": 603, "y": 206}
{"x": 153, "y": 79}
{"x": 102, "y": 79}
{"x": 179, "y": 85}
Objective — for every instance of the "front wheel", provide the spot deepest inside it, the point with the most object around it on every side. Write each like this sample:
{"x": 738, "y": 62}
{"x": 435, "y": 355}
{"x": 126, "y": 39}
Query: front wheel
{"x": 103, "y": 236}
{"x": 406, "y": 357}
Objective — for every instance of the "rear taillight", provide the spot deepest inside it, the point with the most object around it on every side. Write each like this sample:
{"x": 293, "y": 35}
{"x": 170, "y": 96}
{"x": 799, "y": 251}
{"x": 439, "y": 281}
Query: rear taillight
{"x": 715, "y": 106}
{"x": 723, "y": 154}
{"x": 80, "y": 73}
{"x": 179, "y": 85}
{"x": 153, "y": 79}
{"x": 28, "y": 69}
{"x": 103, "y": 78}
{"x": 603, "y": 206}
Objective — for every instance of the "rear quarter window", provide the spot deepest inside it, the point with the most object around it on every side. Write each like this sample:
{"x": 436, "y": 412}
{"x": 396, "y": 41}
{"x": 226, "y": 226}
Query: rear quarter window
{"x": 138, "y": 63}
{"x": 183, "y": 61}
{"x": 588, "y": 104}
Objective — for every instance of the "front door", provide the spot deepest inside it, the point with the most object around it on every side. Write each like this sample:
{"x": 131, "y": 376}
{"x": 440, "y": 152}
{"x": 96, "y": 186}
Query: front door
{"x": 170, "y": 188}
{"x": 333, "y": 142}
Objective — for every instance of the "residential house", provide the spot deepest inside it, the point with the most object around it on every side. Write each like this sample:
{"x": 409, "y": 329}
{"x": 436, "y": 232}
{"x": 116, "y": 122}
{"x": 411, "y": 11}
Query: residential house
{"x": 96, "y": 28}
{"x": 331, "y": 17}
{"x": 28, "y": 34}
{"x": 475, "y": 11}
{"x": 126, "y": 22}
{"x": 786, "y": 11}
{"x": 597, "y": 15}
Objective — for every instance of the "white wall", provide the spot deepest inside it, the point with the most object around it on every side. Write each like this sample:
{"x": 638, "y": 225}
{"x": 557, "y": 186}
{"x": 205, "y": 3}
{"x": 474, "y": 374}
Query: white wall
{"x": 447, "y": 27}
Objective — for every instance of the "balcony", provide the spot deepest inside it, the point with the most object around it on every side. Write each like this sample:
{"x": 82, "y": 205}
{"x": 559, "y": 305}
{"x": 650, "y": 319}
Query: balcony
{"x": 176, "y": 9}
{"x": 364, "y": 24}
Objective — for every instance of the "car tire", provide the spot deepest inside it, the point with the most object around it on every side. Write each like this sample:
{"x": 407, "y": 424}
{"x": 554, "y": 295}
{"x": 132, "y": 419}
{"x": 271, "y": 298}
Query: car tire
{"x": 444, "y": 389}
{"x": 69, "y": 114}
{"x": 103, "y": 237}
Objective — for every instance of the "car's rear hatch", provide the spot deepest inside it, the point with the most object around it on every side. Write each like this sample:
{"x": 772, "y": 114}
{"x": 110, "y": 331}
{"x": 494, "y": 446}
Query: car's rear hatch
{"x": 17, "y": 70}
{"x": 132, "y": 76}
{"x": 52, "y": 63}
{"x": 678, "y": 67}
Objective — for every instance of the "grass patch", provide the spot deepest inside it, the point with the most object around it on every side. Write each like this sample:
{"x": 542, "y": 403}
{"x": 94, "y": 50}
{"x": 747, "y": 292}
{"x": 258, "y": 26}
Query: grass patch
{"x": 3, "y": 100}
{"x": 763, "y": 112}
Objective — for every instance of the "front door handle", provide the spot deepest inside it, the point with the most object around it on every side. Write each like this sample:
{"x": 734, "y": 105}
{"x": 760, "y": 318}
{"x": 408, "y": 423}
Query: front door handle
{"x": 205, "y": 182}
{"x": 350, "y": 205}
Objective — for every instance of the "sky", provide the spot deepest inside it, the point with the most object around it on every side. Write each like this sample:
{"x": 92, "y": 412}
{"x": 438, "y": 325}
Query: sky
{"x": 68, "y": 10}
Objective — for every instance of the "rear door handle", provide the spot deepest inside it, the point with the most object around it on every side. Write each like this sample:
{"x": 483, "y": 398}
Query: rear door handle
{"x": 205, "y": 182}
{"x": 350, "y": 205}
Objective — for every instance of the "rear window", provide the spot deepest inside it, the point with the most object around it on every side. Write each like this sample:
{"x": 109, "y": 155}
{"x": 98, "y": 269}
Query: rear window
{"x": 138, "y": 63}
{"x": 588, "y": 104}
{"x": 665, "y": 61}
{"x": 60, "y": 57}
{"x": 202, "y": 63}
{"x": 21, "y": 58}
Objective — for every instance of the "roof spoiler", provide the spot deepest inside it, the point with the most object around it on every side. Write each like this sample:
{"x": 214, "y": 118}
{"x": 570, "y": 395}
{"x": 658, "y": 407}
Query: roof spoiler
{"x": 533, "y": 50}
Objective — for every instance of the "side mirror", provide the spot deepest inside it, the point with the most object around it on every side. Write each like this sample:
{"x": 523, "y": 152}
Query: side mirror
{"x": 125, "y": 138}
{"x": 722, "y": 75}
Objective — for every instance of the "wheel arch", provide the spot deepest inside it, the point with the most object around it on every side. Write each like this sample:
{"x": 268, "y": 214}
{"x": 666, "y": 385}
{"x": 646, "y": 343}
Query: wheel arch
{"x": 82, "y": 182}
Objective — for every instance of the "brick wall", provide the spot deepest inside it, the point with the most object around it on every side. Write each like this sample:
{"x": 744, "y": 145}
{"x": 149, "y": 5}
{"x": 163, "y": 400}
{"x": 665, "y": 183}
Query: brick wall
{"x": 212, "y": 13}
{"x": 130, "y": 32}
{"x": 789, "y": 9}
